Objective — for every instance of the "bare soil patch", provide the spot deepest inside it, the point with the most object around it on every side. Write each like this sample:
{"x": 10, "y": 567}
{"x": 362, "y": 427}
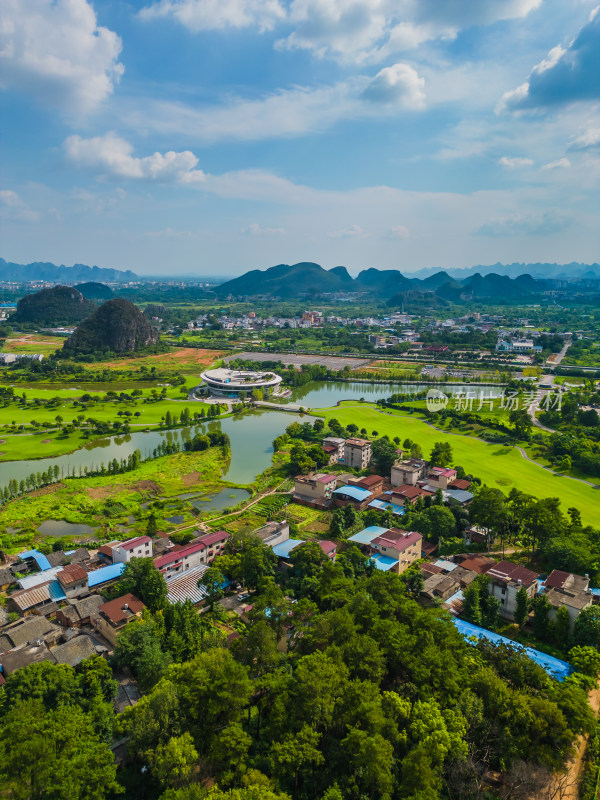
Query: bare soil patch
{"x": 103, "y": 492}
{"x": 145, "y": 486}
{"x": 46, "y": 441}
{"x": 191, "y": 478}
{"x": 53, "y": 487}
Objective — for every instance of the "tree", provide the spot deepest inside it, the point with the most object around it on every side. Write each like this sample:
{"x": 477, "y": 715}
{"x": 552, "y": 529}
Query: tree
{"x": 522, "y": 423}
{"x": 385, "y": 455}
{"x": 172, "y": 763}
{"x": 585, "y": 659}
{"x": 66, "y": 757}
{"x": 441, "y": 522}
{"x": 562, "y": 627}
{"x": 441, "y": 454}
{"x": 138, "y": 647}
{"x": 488, "y": 508}
{"x": 522, "y": 606}
{"x": 541, "y": 612}
{"x": 141, "y": 578}
{"x": 472, "y": 604}
{"x": 151, "y": 529}
{"x": 587, "y": 627}
{"x": 213, "y": 582}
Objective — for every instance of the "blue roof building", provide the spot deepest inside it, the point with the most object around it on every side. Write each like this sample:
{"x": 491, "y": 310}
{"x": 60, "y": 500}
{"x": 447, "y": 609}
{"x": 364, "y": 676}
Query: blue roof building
{"x": 105, "y": 574}
{"x": 284, "y": 549}
{"x": 352, "y": 493}
{"x": 367, "y": 535}
{"x": 39, "y": 558}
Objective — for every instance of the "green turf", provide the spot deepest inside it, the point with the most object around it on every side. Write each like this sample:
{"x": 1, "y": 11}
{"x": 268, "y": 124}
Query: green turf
{"x": 497, "y": 465}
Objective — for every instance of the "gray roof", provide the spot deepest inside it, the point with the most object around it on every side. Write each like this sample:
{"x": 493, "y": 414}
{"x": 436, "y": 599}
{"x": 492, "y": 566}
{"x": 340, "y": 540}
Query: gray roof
{"x": 3, "y": 616}
{"x": 75, "y": 651}
{"x": 5, "y": 644}
{"x": 30, "y": 629}
{"x": 29, "y": 654}
{"x": 7, "y": 576}
{"x": 88, "y": 605}
{"x": 57, "y": 558}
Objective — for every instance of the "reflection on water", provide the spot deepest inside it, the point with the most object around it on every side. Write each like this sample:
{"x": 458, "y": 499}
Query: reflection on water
{"x": 226, "y": 498}
{"x": 58, "y": 527}
{"x": 323, "y": 394}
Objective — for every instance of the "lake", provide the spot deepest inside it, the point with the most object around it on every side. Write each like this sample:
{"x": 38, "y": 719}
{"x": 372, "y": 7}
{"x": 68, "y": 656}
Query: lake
{"x": 251, "y": 434}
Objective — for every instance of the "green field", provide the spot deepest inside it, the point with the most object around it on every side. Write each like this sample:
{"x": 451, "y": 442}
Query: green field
{"x": 497, "y": 465}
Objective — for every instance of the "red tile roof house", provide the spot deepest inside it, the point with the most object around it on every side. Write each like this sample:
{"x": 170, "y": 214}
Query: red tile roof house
{"x": 191, "y": 555}
{"x": 407, "y": 495}
{"x": 112, "y": 617}
{"x": 329, "y": 548}
{"x": 506, "y": 579}
{"x": 140, "y": 547}
{"x": 73, "y": 580}
{"x": 404, "y": 546}
{"x": 440, "y": 477}
{"x": 314, "y": 489}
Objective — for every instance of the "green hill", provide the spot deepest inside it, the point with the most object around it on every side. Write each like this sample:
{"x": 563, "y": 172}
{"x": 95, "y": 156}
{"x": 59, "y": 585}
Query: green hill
{"x": 95, "y": 291}
{"x": 59, "y": 305}
{"x": 116, "y": 327}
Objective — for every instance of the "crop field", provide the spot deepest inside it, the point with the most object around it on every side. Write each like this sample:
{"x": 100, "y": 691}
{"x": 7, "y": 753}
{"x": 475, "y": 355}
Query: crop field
{"x": 32, "y": 343}
{"x": 497, "y": 465}
{"x": 177, "y": 359}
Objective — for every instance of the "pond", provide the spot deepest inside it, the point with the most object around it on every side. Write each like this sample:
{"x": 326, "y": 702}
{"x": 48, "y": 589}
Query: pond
{"x": 251, "y": 447}
{"x": 324, "y": 394}
{"x": 226, "y": 498}
{"x": 58, "y": 528}
{"x": 251, "y": 434}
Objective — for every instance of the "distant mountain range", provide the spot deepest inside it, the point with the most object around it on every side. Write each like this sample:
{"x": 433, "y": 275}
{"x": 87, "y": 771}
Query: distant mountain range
{"x": 46, "y": 271}
{"x": 564, "y": 272}
{"x": 287, "y": 281}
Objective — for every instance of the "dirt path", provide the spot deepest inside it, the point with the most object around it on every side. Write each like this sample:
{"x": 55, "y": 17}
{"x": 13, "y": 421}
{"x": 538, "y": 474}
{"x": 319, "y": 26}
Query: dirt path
{"x": 567, "y": 785}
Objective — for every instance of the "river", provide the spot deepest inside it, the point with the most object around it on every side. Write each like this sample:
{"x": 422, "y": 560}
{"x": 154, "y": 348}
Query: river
{"x": 251, "y": 434}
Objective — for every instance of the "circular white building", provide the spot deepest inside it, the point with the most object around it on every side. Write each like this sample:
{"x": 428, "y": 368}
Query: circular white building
{"x": 230, "y": 382}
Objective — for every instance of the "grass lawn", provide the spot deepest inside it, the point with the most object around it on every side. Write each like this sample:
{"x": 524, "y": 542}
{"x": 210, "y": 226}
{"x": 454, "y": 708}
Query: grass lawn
{"x": 497, "y": 465}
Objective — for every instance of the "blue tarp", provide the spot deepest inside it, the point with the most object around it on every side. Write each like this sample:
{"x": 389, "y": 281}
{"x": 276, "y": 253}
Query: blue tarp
{"x": 104, "y": 574}
{"x": 56, "y": 592}
{"x": 554, "y": 666}
{"x": 39, "y": 558}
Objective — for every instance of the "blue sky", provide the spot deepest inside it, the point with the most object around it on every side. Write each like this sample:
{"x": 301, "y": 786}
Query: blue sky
{"x": 216, "y": 136}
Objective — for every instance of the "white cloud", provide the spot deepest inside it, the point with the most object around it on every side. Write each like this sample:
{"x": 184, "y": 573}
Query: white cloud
{"x": 56, "y": 52}
{"x": 515, "y": 162}
{"x": 287, "y": 112}
{"x": 13, "y": 207}
{"x": 374, "y": 29}
{"x": 565, "y": 76}
{"x": 587, "y": 140}
{"x": 398, "y": 232}
{"x": 112, "y": 155}
{"x": 528, "y": 224}
{"x": 254, "y": 229}
{"x": 210, "y": 15}
{"x": 347, "y": 233}
{"x": 398, "y": 84}
{"x": 560, "y": 163}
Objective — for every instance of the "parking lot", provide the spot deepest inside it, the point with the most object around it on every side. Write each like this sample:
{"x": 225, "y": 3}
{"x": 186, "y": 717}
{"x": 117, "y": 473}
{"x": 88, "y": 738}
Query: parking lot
{"x": 291, "y": 359}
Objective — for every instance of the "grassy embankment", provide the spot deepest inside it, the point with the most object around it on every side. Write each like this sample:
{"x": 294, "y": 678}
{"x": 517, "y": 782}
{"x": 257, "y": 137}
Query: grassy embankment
{"x": 497, "y": 465}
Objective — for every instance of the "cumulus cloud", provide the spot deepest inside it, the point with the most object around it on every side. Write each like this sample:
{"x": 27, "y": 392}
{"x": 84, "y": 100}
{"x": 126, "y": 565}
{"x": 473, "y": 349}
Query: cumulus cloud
{"x": 526, "y": 224}
{"x": 112, "y": 155}
{"x": 254, "y": 229}
{"x": 515, "y": 162}
{"x": 560, "y": 163}
{"x": 375, "y": 29}
{"x": 56, "y": 52}
{"x": 586, "y": 140}
{"x": 13, "y": 207}
{"x": 565, "y": 76}
{"x": 398, "y": 84}
{"x": 210, "y": 15}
